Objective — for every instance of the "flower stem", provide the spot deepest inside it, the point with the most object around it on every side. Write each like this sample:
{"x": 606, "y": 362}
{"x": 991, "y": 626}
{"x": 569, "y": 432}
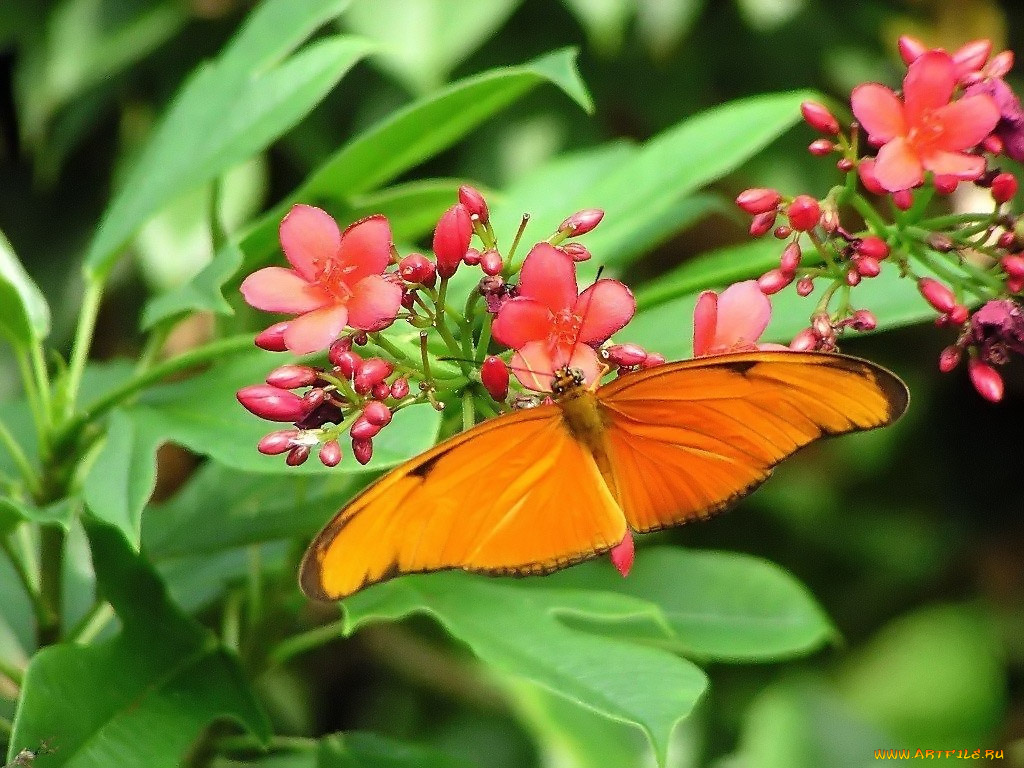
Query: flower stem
{"x": 83, "y": 341}
{"x": 51, "y": 554}
{"x": 306, "y": 641}
{"x": 25, "y": 575}
{"x": 468, "y": 411}
{"x": 12, "y": 673}
{"x": 28, "y": 474}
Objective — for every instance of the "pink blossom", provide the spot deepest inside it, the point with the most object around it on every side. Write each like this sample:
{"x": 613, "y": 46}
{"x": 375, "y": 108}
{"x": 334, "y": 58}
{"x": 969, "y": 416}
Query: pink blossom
{"x": 732, "y": 321}
{"x": 335, "y": 281}
{"x": 552, "y": 327}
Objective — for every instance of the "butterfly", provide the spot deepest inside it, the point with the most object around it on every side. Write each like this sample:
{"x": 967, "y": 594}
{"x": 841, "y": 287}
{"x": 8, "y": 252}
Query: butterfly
{"x": 539, "y": 489}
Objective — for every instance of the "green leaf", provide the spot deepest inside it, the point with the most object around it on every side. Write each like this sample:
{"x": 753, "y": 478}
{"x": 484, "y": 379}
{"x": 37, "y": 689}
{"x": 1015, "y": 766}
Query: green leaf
{"x": 535, "y": 634}
{"x": 229, "y": 110}
{"x": 24, "y": 313}
{"x": 14, "y": 511}
{"x": 605, "y": 21}
{"x": 140, "y": 698}
{"x": 412, "y": 208}
{"x": 368, "y": 750}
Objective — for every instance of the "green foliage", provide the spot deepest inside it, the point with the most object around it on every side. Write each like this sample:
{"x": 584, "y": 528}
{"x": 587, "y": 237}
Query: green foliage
{"x": 24, "y": 313}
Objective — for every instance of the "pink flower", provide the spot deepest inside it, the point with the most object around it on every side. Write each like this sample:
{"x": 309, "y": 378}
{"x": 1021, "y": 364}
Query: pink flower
{"x": 551, "y": 327}
{"x": 336, "y": 279}
{"x": 732, "y": 322}
{"x": 925, "y": 131}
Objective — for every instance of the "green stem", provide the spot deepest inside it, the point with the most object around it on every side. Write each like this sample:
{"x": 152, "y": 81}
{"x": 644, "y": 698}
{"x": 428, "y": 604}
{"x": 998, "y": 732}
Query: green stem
{"x": 868, "y": 213}
{"x": 90, "y": 625}
{"x": 83, "y": 341}
{"x": 510, "y": 267}
{"x": 443, "y": 331}
{"x": 943, "y": 272}
{"x": 6, "y": 726}
{"x": 468, "y": 412}
{"x": 938, "y": 223}
{"x": 51, "y": 556}
{"x": 485, "y": 339}
{"x": 26, "y": 576}
{"x": 382, "y": 341}
{"x": 246, "y": 744}
{"x": 11, "y": 672}
{"x": 40, "y": 412}
{"x": 306, "y": 641}
{"x": 28, "y": 474}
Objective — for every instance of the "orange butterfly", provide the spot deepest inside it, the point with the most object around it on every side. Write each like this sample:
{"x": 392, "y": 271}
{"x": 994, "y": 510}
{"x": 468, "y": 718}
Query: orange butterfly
{"x": 540, "y": 489}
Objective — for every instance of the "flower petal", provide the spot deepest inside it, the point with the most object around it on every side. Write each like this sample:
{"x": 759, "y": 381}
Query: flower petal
{"x": 585, "y": 359}
{"x": 365, "y": 249}
{"x": 605, "y": 307}
{"x": 533, "y": 366}
{"x": 928, "y": 85}
{"x": 879, "y": 110}
{"x": 310, "y": 239}
{"x": 966, "y": 123}
{"x": 897, "y": 166}
{"x": 375, "y": 302}
{"x": 520, "y": 321}
{"x": 276, "y": 289}
{"x": 315, "y": 330}
{"x": 705, "y": 318}
{"x": 743, "y": 314}
{"x": 966, "y": 167}
{"x": 549, "y": 276}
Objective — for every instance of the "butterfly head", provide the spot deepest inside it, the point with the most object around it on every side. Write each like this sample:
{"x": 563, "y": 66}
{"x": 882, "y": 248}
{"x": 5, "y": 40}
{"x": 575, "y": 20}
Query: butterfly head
{"x": 567, "y": 380}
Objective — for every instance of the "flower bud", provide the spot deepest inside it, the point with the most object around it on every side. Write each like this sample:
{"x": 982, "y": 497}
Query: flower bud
{"x": 314, "y": 398}
{"x": 625, "y": 355}
{"x": 911, "y": 49}
{"x": 949, "y": 359}
{"x": 277, "y": 442}
{"x": 581, "y": 222}
{"x": 790, "y": 259}
{"x": 821, "y": 147}
{"x": 805, "y": 286}
{"x": 758, "y": 200}
{"x": 937, "y": 294}
{"x": 762, "y": 223}
{"x": 863, "y": 320}
{"x": 1001, "y": 63}
{"x": 451, "y": 239}
{"x": 986, "y": 380}
{"x": 400, "y": 388}
{"x": 972, "y": 56}
{"x": 946, "y": 184}
{"x": 773, "y": 281}
{"x": 417, "y": 268}
{"x": 819, "y": 118}
{"x": 272, "y": 339}
{"x": 1007, "y": 241}
{"x": 805, "y": 341}
{"x": 873, "y": 247}
{"x": 377, "y": 413}
{"x": 297, "y": 455}
{"x": 1015, "y": 284}
{"x": 347, "y": 363}
{"x": 622, "y": 554}
{"x": 344, "y": 344}
{"x": 993, "y": 144}
{"x": 1004, "y": 187}
{"x": 576, "y": 251}
{"x": 852, "y": 277}
{"x": 959, "y": 314}
{"x": 494, "y": 376}
{"x": 330, "y": 453}
{"x": 803, "y": 213}
{"x": 782, "y": 232}
{"x": 845, "y": 164}
{"x": 271, "y": 403}
{"x": 472, "y": 257}
{"x": 903, "y": 199}
{"x": 866, "y": 172}
{"x": 1013, "y": 266}
{"x": 491, "y": 263}
{"x": 381, "y": 390}
{"x": 473, "y": 202}
{"x": 370, "y": 372}
{"x": 362, "y": 429}
{"x": 292, "y": 376}
{"x": 868, "y": 266}
{"x": 362, "y": 450}
{"x": 653, "y": 360}
{"x": 940, "y": 242}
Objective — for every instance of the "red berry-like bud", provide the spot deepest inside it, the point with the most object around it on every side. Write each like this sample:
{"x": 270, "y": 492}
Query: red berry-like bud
{"x": 370, "y": 372}
{"x": 472, "y": 257}
{"x": 868, "y": 266}
{"x": 949, "y": 359}
{"x": 1013, "y": 266}
{"x": 821, "y": 147}
{"x": 866, "y": 172}
{"x": 782, "y": 232}
{"x": 272, "y": 339}
{"x": 804, "y": 213}
{"x": 344, "y": 344}
{"x": 400, "y": 388}
{"x": 805, "y": 341}
{"x": 755, "y": 201}
{"x": 946, "y": 184}
{"x": 653, "y": 360}
{"x": 819, "y": 118}
{"x": 805, "y": 286}
{"x": 986, "y": 380}
{"x": 363, "y": 430}
{"x": 576, "y": 251}
{"x": 790, "y": 259}
{"x": 297, "y": 455}
{"x": 271, "y": 403}
{"x": 622, "y": 554}
{"x": 773, "y": 281}
{"x": 451, "y": 239}
{"x": 473, "y": 202}
{"x": 314, "y": 398}
{"x": 959, "y": 314}
{"x": 347, "y": 363}
{"x": 1007, "y": 240}
{"x": 362, "y": 450}
{"x": 625, "y": 355}
{"x": 903, "y": 199}
{"x": 330, "y": 453}
{"x": 1015, "y": 284}
{"x": 873, "y": 247}
{"x": 582, "y": 222}
{"x": 863, "y": 320}
{"x": 417, "y": 268}
{"x": 937, "y": 294}
{"x": 972, "y": 56}
{"x": 762, "y": 223}
{"x": 381, "y": 390}
{"x": 377, "y": 413}
{"x": 993, "y": 144}
{"x": 1004, "y": 187}
{"x": 852, "y": 277}
{"x": 494, "y": 376}
{"x": 845, "y": 164}
{"x": 277, "y": 442}
{"x": 292, "y": 376}
{"x": 491, "y": 263}
{"x": 911, "y": 49}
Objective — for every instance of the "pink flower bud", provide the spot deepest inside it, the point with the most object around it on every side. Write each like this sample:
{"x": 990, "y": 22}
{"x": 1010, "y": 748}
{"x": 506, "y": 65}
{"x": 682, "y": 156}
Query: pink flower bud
{"x": 330, "y": 453}
{"x": 1001, "y": 63}
{"x": 277, "y": 442}
{"x": 782, "y": 232}
{"x": 494, "y": 376}
{"x": 949, "y": 359}
{"x": 946, "y": 184}
{"x": 972, "y": 56}
{"x": 937, "y": 294}
{"x": 472, "y": 257}
{"x": 362, "y": 429}
{"x": 400, "y": 388}
{"x": 845, "y": 164}
{"x": 582, "y": 222}
{"x": 347, "y": 363}
{"x": 755, "y": 201}
{"x": 344, "y": 344}
{"x": 653, "y": 360}
{"x": 377, "y": 413}
{"x": 1007, "y": 240}
{"x": 370, "y": 372}
{"x": 790, "y": 259}
{"x": 272, "y": 339}
{"x": 362, "y": 450}
{"x": 773, "y": 281}
{"x": 271, "y": 403}
{"x": 491, "y": 263}
{"x": 1015, "y": 284}
{"x": 473, "y": 202}
{"x": 1004, "y": 187}
{"x": 852, "y": 277}
{"x": 625, "y": 355}
{"x": 986, "y": 380}
{"x": 381, "y": 390}
{"x": 819, "y": 118}
{"x": 451, "y": 239}
{"x": 993, "y": 144}
{"x": 622, "y": 554}
{"x": 821, "y": 324}
{"x": 292, "y": 376}
{"x": 805, "y": 341}
{"x": 417, "y": 268}
{"x": 873, "y": 247}
{"x": 1013, "y": 266}
{"x": 821, "y": 147}
{"x": 804, "y": 213}
{"x": 868, "y": 266}
{"x": 762, "y": 223}
{"x": 297, "y": 455}
{"x": 866, "y": 172}
{"x": 576, "y": 251}
{"x": 314, "y": 398}
{"x": 959, "y": 314}
{"x": 903, "y": 199}
{"x": 911, "y": 49}
{"x": 805, "y": 286}
{"x": 863, "y": 320}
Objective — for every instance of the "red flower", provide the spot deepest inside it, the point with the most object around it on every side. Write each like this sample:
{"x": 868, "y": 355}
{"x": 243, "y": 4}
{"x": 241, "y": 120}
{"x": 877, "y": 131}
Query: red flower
{"x": 551, "y": 327}
{"x": 732, "y": 322}
{"x": 924, "y": 132}
{"x": 336, "y": 279}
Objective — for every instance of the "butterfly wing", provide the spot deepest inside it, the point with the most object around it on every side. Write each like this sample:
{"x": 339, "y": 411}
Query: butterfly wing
{"x": 686, "y": 439}
{"x": 516, "y": 494}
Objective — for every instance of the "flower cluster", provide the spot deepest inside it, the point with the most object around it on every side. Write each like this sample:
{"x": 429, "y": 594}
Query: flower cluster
{"x": 905, "y": 155}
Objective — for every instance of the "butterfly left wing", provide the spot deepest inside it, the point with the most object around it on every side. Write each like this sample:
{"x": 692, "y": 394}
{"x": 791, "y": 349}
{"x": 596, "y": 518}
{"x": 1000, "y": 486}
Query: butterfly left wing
{"x": 516, "y": 494}
{"x": 687, "y": 439}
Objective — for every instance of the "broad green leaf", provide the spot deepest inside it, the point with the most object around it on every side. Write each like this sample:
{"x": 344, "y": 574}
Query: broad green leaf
{"x": 368, "y": 750}
{"x": 535, "y": 634}
{"x": 735, "y": 607}
{"x": 422, "y": 41}
{"x": 397, "y": 144}
{"x": 229, "y": 110}
{"x": 412, "y": 208}
{"x": 24, "y": 313}
{"x": 14, "y": 511}
{"x": 139, "y": 699}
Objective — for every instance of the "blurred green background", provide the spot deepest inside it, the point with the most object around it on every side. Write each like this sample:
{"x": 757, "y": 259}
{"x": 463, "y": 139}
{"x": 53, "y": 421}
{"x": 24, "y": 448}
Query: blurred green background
{"x": 912, "y": 539}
